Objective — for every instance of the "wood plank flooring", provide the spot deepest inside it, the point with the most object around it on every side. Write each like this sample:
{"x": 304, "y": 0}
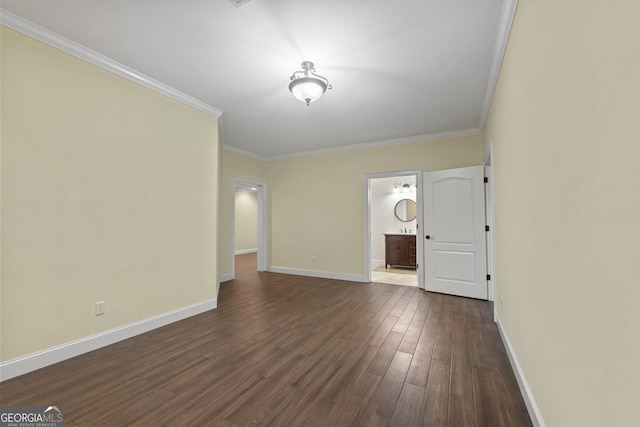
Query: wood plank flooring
{"x": 285, "y": 350}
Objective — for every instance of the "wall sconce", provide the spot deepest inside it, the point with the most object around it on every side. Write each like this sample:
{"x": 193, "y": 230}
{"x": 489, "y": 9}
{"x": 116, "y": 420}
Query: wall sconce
{"x": 399, "y": 187}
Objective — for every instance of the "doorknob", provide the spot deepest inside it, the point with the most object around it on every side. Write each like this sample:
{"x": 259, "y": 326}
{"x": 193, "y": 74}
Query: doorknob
{"x": 427, "y": 237}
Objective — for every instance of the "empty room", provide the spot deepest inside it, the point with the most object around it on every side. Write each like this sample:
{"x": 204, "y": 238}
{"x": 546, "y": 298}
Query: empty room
{"x": 298, "y": 213}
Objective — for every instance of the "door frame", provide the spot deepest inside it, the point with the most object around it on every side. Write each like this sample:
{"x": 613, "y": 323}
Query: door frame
{"x": 491, "y": 222}
{"x": 367, "y": 221}
{"x": 261, "y": 191}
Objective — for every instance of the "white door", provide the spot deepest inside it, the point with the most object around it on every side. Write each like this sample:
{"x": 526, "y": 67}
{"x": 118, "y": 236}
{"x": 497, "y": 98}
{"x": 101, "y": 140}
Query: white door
{"x": 455, "y": 250}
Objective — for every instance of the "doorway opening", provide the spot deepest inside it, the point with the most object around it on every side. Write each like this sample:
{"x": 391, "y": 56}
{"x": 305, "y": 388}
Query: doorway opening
{"x": 248, "y": 223}
{"x": 394, "y": 215}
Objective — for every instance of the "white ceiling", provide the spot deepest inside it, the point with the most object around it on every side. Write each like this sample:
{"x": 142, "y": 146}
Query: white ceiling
{"x": 401, "y": 71}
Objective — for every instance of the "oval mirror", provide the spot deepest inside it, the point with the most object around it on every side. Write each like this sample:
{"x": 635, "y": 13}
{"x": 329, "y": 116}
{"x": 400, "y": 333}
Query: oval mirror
{"x": 406, "y": 210}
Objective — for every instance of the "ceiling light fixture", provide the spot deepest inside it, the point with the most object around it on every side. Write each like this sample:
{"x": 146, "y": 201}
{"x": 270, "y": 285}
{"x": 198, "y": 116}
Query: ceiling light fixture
{"x": 306, "y": 85}
{"x": 238, "y": 3}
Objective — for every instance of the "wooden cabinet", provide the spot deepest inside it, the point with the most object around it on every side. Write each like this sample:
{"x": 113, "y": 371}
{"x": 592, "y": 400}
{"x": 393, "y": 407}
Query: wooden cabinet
{"x": 400, "y": 250}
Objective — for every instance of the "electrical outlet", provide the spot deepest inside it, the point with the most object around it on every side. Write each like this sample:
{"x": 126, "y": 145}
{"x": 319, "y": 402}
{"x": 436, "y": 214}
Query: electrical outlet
{"x": 501, "y": 302}
{"x": 101, "y": 307}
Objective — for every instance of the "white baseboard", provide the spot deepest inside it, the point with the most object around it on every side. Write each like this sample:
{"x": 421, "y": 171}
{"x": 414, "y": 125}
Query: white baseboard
{"x": 226, "y": 278}
{"x": 527, "y": 394}
{"x": 246, "y": 251}
{"x": 377, "y": 263}
{"x": 31, "y": 362}
{"x": 321, "y": 274}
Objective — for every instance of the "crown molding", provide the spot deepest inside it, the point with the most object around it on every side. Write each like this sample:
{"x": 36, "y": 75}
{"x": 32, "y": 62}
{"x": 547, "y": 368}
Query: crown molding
{"x": 382, "y": 143}
{"x": 37, "y": 32}
{"x": 506, "y": 20}
{"x": 243, "y": 152}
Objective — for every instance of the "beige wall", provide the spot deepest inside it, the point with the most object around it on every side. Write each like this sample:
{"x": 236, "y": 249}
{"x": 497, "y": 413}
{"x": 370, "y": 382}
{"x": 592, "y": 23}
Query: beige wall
{"x": 233, "y": 165}
{"x": 315, "y": 203}
{"x": 318, "y": 202}
{"x": 564, "y": 126}
{"x": 246, "y": 211}
{"x": 109, "y": 192}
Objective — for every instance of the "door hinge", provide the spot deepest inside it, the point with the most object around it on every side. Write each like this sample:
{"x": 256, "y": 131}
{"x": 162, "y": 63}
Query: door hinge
{"x": 486, "y": 228}
{"x": 488, "y": 277}
{"x": 486, "y": 179}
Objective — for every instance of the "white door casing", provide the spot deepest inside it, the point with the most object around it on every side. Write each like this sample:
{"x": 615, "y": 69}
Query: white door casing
{"x": 454, "y": 232}
{"x": 261, "y": 190}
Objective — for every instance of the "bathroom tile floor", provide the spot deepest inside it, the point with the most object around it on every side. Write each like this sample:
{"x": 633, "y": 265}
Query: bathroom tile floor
{"x": 394, "y": 276}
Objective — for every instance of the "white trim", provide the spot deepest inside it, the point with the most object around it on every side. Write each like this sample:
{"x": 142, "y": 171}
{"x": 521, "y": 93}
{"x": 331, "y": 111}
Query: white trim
{"x": 506, "y": 20}
{"x": 527, "y": 394}
{"x": 367, "y": 225}
{"x": 261, "y": 259}
{"x": 243, "y": 152}
{"x": 246, "y": 251}
{"x": 377, "y": 263}
{"x": 320, "y": 274}
{"x": 489, "y": 191}
{"x": 52, "y": 39}
{"x": 383, "y": 143}
{"x": 31, "y": 362}
{"x": 225, "y": 278}
{"x": 372, "y": 144}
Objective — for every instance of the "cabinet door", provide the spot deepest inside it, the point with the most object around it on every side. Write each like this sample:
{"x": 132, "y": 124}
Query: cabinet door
{"x": 391, "y": 252}
{"x": 403, "y": 252}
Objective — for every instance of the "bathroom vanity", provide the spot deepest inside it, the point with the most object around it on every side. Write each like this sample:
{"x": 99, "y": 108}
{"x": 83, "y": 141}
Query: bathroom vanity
{"x": 400, "y": 250}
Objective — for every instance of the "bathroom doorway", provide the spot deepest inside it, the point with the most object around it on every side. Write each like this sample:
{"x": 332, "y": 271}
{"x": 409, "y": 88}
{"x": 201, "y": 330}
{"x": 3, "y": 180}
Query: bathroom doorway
{"x": 394, "y": 215}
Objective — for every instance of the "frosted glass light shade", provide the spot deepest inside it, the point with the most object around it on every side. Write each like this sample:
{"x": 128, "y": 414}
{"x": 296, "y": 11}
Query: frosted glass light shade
{"x": 307, "y": 89}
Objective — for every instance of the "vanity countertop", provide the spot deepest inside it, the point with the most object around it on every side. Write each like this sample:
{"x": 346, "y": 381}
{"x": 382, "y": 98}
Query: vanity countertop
{"x": 391, "y": 233}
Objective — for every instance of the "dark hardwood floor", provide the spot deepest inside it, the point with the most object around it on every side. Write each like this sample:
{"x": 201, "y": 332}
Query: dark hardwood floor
{"x": 285, "y": 350}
